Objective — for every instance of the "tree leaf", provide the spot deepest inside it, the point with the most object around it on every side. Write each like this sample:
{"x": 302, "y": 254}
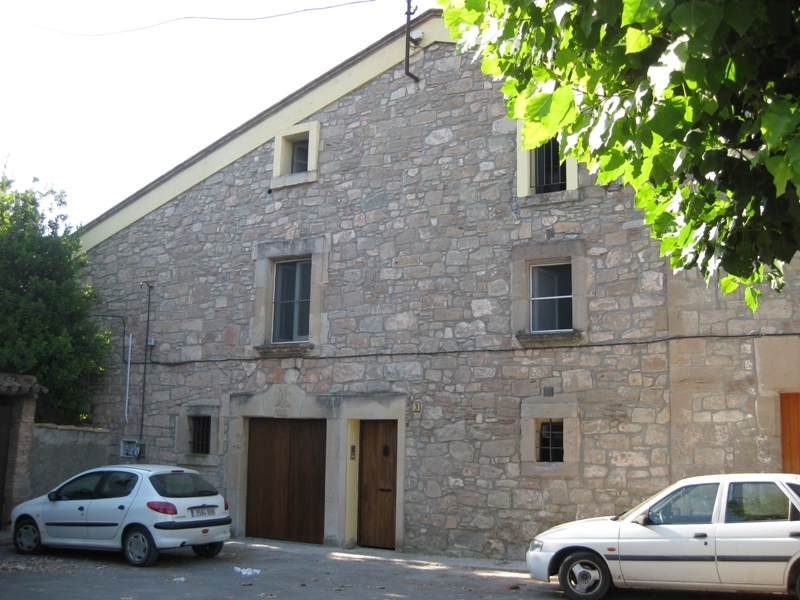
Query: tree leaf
{"x": 636, "y": 40}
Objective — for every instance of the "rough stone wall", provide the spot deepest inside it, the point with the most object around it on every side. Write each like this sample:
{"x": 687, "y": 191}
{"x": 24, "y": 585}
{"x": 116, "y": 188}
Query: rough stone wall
{"x": 417, "y": 193}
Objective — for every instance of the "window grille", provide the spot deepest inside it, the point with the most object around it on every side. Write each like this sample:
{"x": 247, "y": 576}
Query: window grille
{"x": 300, "y": 156}
{"x": 551, "y": 441}
{"x": 549, "y": 173}
{"x": 200, "y": 435}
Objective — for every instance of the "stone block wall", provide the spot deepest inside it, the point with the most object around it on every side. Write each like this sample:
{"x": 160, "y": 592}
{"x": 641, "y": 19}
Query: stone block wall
{"x": 416, "y": 195}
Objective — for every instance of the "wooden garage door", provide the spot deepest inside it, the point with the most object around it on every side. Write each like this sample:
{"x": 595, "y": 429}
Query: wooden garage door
{"x": 286, "y": 479}
{"x": 377, "y": 480}
{"x": 790, "y": 432}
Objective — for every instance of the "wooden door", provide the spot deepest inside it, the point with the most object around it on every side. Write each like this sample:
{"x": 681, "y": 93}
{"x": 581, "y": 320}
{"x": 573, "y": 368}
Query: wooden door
{"x": 790, "y": 432}
{"x": 286, "y": 479}
{"x": 377, "y": 479}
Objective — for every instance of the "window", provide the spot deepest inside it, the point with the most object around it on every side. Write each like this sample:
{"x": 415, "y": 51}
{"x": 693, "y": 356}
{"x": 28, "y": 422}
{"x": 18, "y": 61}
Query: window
{"x": 549, "y": 173}
{"x": 551, "y": 298}
{"x": 541, "y": 174}
{"x": 292, "y": 301}
{"x": 200, "y": 434}
{"x": 295, "y": 155}
{"x": 690, "y": 504}
{"x": 289, "y": 279}
{"x": 118, "y": 484}
{"x": 551, "y": 440}
{"x": 197, "y": 436}
{"x": 762, "y": 501}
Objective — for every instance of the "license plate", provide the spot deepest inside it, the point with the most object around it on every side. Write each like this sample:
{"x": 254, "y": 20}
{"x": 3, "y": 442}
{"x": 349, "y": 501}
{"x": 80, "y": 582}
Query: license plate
{"x": 203, "y": 512}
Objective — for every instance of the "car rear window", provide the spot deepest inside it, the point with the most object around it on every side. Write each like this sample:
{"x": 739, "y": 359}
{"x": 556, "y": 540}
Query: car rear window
{"x": 182, "y": 485}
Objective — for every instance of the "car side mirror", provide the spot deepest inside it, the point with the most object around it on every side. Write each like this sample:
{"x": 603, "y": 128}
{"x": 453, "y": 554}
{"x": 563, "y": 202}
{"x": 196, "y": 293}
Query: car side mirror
{"x": 52, "y": 496}
{"x": 643, "y": 519}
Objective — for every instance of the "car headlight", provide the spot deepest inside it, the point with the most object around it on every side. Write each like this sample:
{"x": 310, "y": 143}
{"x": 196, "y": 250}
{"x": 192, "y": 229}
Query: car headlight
{"x": 536, "y": 545}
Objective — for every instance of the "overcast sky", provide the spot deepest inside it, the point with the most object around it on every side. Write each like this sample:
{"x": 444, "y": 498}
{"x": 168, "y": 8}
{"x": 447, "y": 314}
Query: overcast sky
{"x": 100, "y": 97}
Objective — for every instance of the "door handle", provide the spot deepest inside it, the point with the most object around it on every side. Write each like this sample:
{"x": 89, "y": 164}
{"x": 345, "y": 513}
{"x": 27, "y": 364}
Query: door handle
{"x": 794, "y": 534}
{"x": 384, "y": 490}
{"x": 81, "y": 509}
{"x": 700, "y": 536}
{"x": 121, "y": 507}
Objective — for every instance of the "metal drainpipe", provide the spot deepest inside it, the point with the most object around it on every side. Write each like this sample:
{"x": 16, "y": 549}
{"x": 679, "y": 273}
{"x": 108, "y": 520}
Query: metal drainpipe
{"x": 409, "y": 14}
{"x": 146, "y": 347}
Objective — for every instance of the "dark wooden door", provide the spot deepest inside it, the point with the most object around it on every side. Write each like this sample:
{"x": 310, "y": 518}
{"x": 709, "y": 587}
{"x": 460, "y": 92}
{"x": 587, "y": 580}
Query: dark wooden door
{"x": 5, "y": 441}
{"x": 377, "y": 478}
{"x": 790, "y": 432}
{"x": 286, "y": 479}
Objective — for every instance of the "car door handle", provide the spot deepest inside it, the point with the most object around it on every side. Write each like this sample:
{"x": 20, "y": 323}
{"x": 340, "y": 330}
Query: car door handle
{"x": 121, "y": 507}
{"x": 81, "y": 509}
{"x": 795, "y": 534}
{"x": 700, "y": 536}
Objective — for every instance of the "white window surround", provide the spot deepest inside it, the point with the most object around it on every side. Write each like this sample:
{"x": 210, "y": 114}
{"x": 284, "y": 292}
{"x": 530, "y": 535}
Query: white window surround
{"x": 526, "y": 181}
{"x": 523, "y": 257}
{"x": 197, "y": 408}
{"x": 282, "y": 175}
{"x": 530, "y": 424}
{"x": 266, "y": 256}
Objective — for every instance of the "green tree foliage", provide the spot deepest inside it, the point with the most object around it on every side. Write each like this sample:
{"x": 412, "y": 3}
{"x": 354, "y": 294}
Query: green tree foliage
{"x": 694, "y": 103}
{"x": 46, "y": 329}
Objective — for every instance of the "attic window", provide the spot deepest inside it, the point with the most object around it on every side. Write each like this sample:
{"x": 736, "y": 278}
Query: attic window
{"x": 296, "y": 154}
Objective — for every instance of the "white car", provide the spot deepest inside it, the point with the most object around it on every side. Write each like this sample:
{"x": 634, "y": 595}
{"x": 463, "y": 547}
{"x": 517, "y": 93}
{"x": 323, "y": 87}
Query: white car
{"x": 736, "y": 532}
{"x": 139, "y": 509}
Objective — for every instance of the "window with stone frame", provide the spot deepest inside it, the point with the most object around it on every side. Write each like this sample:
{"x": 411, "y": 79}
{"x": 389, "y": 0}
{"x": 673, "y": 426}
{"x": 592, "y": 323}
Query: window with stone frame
{"x": 289, "y": 278}
{"x": 548, "y": 293}
{"x": 542, "y": 176}
{"x": 549, "y": 171}
{"x": 197, "y": 433}
{"x": 550, "y": 437}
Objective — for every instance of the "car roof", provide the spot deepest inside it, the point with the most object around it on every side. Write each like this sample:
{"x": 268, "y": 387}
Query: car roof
{"x": 149, "y": 469}
{"x": 728, "y": 477}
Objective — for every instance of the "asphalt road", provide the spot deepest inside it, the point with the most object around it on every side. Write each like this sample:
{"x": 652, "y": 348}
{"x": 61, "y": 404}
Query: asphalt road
{"x": 258, "y": 569}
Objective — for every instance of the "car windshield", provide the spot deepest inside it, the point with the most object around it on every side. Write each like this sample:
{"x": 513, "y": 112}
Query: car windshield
{"x": 182, "y": 485}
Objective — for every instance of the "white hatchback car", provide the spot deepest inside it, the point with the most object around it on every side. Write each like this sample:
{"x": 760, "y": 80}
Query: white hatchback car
{"x": 724, "y": 532}
{"x": 139, "y": 509}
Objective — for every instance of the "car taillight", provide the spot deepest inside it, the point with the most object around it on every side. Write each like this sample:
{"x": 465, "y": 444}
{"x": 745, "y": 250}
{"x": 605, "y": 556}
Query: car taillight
{"x": 165, "y": 508}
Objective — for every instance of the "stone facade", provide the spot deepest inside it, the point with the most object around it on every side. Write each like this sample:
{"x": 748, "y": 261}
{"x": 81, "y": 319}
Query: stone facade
{"x": 424, "y": 246}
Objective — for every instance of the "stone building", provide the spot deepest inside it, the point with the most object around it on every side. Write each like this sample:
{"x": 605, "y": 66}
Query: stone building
{"x": 365, "y": 316}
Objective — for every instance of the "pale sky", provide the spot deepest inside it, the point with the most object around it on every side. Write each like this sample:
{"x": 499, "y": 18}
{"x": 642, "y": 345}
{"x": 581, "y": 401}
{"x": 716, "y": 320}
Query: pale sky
{"x": 100, "y": 113}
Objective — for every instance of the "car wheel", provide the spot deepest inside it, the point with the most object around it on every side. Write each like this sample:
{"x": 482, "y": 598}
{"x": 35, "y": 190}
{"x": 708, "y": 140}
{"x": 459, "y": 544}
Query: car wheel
{"x": 139, "y": 548}
{"x": 208, "y": 550}
{"x": 27, "y": 539}
{"x": 584, "y": 576}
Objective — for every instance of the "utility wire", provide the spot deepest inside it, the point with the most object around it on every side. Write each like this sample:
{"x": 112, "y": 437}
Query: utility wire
{"x": 159, "y": 24}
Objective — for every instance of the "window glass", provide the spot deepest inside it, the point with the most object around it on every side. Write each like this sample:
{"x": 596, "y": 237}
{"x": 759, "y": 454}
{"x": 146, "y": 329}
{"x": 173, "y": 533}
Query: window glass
{"x": 551, "y": 441}
{"x": 689, "y": 504}
{"x": 292, "y": 301}
{"x": 80, "y": 488}
{"x": 758, "y": 501}
{"x": 182, "y": 485}
{"x": 300, "y": 156}
{"x": 550, "y": 174}
{"x": 118, "y": 484}
{"x": 551, "y": 297}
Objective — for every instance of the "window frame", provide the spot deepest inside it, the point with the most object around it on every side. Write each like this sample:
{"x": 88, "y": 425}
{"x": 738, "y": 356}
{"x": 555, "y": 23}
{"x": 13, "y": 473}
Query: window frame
{"x": 281, "y": 307}
{"x": 552, "y": 453}
{"x": 534, "y": 414}
{"x": 199, "y": 434}
{"x": 526, "y": 175}
{"x": 183, "y": 433}
{"x": 542, "y": 169}
{"x": 283, "y": 166}
{"x": 536, "y": 298}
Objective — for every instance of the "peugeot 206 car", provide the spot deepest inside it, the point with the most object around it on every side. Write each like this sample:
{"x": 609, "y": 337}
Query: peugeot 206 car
{"x": 725, "y": 532}
{"x": 139, "y": 509}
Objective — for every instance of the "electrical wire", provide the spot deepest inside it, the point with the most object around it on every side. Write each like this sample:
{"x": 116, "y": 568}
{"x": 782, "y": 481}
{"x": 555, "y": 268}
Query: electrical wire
{"x": 159, "y": 24}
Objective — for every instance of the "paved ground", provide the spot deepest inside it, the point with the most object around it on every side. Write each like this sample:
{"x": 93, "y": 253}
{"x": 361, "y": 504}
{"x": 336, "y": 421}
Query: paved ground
{"x": 256, "y": 569}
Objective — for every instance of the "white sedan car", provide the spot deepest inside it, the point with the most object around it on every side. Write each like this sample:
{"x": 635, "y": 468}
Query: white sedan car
{"x": 139, "y": 509}
{"x": 723, "y": 532}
